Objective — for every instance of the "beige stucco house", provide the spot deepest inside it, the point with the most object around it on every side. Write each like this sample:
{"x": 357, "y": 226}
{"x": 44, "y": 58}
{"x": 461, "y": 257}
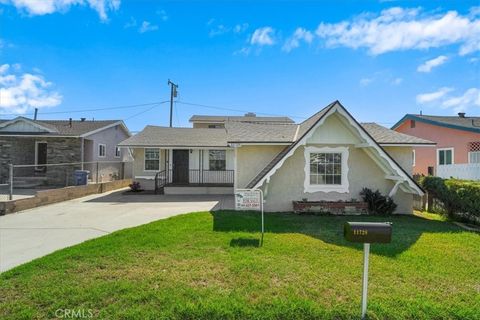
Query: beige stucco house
{"x": 328, "y": 157}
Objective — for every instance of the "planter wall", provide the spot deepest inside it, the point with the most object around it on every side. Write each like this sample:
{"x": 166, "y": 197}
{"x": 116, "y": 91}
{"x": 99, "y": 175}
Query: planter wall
{"x": 330, "y": 207}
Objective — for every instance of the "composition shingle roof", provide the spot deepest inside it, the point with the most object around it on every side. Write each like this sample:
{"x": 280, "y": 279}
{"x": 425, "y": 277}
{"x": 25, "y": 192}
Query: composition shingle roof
{"x": 63, "y": 127}
{"x": 251, "y": 119}
{"x": 455, "y": 122}
{"x": 386, "y": 136}
{"x": 245, "y": 132}
{"x": 178, "y": 137}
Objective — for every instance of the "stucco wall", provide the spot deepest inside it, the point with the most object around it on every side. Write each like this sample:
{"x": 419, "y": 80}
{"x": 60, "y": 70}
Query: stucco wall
{"x": 444, "y": 137}
{"x": 111, "y": 137}
{"x": 251, "y": 160}
{"x": 403, "y": 156}
{"x": 287, "y": 184}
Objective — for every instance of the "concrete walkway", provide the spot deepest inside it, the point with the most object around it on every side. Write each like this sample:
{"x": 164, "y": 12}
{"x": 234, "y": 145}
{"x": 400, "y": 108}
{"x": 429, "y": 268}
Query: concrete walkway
{"x": 33, "y": 233}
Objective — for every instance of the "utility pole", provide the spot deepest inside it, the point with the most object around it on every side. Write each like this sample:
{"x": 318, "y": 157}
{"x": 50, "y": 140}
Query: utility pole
{"x": 173, "y": 94}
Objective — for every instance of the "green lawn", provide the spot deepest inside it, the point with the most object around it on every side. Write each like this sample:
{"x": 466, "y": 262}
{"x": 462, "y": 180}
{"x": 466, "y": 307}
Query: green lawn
{"x": 209, "y": 266}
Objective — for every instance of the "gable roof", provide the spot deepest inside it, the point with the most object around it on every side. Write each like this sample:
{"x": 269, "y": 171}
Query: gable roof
{"x": 246, "y": 118}
{"x": 310, "y": 125}
{"x": 177, "y": 137}
{"x": 471, "y": 124}
{"x": 385, "y": 136}
{"x": 77, "y": 128}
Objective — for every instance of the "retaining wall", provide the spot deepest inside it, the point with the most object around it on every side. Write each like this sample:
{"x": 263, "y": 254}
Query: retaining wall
{"x": 44, "y": 197}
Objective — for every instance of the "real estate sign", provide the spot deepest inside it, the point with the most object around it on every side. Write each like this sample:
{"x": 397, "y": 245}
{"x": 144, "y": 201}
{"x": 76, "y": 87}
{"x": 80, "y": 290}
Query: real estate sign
{"x": 248, "y": 199}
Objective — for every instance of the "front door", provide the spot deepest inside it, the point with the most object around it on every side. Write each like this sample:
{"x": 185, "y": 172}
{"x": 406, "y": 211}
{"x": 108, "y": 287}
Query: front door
{"x": 41, "y": 156}
{"x": 180, "y": 166}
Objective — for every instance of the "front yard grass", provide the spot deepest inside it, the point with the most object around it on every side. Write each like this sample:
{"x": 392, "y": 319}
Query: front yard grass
{"x": 209, "y": 266}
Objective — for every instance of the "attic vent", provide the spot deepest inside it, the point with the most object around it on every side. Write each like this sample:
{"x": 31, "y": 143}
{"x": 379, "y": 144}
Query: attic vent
{"x": 461, "y": 114}
{"x": 250, "y": 114}
{"x": 83, "y": 119}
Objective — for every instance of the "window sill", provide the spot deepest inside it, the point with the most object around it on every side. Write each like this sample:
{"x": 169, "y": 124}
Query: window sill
{"x": 326, "y": 188}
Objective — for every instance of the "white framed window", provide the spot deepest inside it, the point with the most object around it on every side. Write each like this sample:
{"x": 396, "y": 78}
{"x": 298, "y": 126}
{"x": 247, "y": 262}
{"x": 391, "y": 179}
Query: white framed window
{"x": 102, "y": 150}
{"x": 326, "y": 169}
{"x": 474, "y": 157}
{"x": 414, "y": 156}
{"x": 152, "y": 159}
{"x": 217, "y": 160}
{"x": 118, "y": 152}
{"x": 445, "y": 156}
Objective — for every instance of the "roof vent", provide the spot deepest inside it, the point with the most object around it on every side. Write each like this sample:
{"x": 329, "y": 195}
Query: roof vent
{"x": 70, "y": 122}
{"x": 461, "y": 114}
{"x": 250, "y": 114}
{"x": 83, "y": 119}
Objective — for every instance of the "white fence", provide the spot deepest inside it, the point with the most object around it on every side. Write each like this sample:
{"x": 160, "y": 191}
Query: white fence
{"x": 467, "y": 171}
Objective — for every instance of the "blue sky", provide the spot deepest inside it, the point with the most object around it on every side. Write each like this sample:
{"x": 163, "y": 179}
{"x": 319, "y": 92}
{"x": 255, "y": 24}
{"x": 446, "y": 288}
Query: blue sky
{"x": 381, "y": 59}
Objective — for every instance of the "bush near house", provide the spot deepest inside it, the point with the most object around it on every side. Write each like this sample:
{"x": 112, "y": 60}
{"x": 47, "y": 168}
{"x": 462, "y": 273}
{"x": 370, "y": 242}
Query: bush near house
{"x": 378, "y": 204}
{"x": 460, "y": 199}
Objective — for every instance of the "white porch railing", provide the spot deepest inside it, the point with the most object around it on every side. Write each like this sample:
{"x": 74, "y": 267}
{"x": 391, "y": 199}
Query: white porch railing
{"x": 467, "y": 171}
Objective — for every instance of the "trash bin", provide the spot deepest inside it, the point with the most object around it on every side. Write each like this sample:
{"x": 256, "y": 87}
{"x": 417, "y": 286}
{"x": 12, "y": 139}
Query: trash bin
{"x": 81, "y": 177}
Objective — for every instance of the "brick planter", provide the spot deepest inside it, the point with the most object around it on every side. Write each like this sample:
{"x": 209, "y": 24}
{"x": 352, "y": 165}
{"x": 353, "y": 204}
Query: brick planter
{"x": 330, "y": 207}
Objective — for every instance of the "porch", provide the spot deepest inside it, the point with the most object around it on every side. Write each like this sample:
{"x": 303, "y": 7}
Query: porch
{"x": 194, "y": 181}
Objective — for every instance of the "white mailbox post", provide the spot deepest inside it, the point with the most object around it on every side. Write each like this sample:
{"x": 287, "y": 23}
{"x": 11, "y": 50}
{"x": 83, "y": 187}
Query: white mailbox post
{"x": 250, "y": 199}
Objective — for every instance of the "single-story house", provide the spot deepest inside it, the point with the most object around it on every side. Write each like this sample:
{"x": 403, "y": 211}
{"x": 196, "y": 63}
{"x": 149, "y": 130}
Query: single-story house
{"x": 328, "y": 157}
{"x": 457, "y": 150}
{"x": 26, "y": 141}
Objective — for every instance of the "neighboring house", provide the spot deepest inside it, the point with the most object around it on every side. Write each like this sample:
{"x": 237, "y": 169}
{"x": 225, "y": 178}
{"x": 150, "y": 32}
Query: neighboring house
{"x": 329, "y": 156}
{"x": 25, "y": 141}
{"x": 457, "y": 153}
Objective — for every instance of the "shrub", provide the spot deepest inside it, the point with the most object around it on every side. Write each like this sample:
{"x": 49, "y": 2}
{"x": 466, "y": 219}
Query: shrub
{"x": 460, "y": 198}
{"x": 135, "y": 186}
{"x": 378, "y": 203}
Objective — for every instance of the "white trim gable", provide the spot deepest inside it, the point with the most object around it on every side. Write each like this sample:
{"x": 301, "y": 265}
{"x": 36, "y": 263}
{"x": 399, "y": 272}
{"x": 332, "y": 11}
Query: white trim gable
{"x": 28, "y": 122}
{"x": 370, "y": 146}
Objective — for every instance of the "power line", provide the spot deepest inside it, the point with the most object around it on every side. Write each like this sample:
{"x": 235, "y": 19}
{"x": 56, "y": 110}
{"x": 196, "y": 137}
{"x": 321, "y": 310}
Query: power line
{"x": 146, "y": 110}
{"x": 233, "y": 109}
{"x": 89, "y": 110}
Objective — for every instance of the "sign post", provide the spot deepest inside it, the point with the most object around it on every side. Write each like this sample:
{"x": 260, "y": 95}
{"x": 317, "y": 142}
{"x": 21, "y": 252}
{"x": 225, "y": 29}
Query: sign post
{"x": 366, "y": 233}
{"x": 250, "y": 199}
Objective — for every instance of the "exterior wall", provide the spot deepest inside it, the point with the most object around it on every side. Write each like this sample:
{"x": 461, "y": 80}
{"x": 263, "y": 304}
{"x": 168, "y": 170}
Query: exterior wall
{"x": 139, "y": 164}
{"x": 444, "y": 137}
{"x": 205, "y": 125}
{"x": 251, "y": 160}
{"x": 403, "y": 156}
{"x": 111, "y": 137}
{"x": 287, "y": 184}
{"x": 21, "y": 150}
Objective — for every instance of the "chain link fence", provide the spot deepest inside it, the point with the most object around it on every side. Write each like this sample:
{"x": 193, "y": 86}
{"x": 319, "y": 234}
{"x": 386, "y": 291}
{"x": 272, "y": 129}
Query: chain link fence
{"x": 20, "y": 181}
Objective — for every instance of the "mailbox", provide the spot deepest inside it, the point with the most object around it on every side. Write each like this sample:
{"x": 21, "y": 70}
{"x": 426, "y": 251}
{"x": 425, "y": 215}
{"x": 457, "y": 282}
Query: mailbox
{"x": 368, "y": 232}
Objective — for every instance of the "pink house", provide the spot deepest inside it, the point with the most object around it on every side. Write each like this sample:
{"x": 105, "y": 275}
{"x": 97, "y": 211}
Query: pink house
{"x": 457, "y": 152}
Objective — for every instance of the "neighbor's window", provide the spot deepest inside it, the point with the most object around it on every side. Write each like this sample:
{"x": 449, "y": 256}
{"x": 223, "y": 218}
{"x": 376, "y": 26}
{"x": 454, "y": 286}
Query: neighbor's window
{"x": 326, "y": 168}
{"x": 412, "y": 123}
{"x": 152, "y": 159}
{"x": 445, "y": 156}
{"x": 102, "y": 149}
{"x": 117, "y": 152}
{"x": 474, "y": 157}
{"x": 217, "y": 160}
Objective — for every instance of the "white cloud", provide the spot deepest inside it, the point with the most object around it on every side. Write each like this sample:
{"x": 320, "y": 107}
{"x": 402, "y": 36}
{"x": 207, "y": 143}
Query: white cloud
{"x": 427, "y": 66}
{"x": 365, "y": 81}
{"x": 147, "y": 27}
{"x": 218, "y": 30}
{"x": 162, "y": 14}
{"x": 293, "y": 42}
{"x": 433, "y": 96}
{"x": 131, "y": 23}
{"x": 42, "y": 7}
{"x": 21, "y": 92}
{"x": 402, "y": 29}
{"x": 239, "y": 28}
{"x": 263, "y": 37}
{"x": 397, "y": 81}
{"x": 470, "y": 98}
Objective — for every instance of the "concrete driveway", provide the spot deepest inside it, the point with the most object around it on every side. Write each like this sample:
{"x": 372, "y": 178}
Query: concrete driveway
{"x": 33, "y": 233}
